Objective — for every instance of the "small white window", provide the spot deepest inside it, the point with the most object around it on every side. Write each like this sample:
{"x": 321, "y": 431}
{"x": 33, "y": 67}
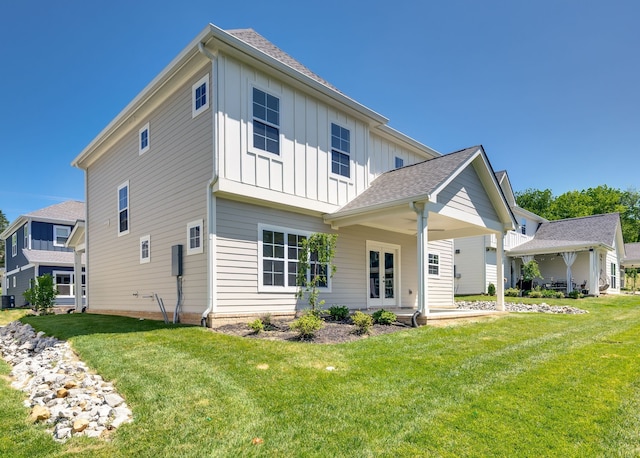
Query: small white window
{"x": 143, "y": 139}
{"x": 434, "y": 264}
{"x": 60, "y": 235}
{"x": 14, "y": 281}
{"x": 14, "y": 244}
{"x": 399, "y": 162}
{"x": 194, "y": 237}
{"x": 26, "y": 236}
{"x": 145, "y": 249}
{"x": 523, "y": 226}
{"x": 200, "y": 96}
{"x": 123, "y": 209}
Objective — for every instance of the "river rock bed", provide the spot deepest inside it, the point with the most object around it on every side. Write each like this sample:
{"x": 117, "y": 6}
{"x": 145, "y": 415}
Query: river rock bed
{"x": 62, "y": 392}
{"x": 519, "y": 307}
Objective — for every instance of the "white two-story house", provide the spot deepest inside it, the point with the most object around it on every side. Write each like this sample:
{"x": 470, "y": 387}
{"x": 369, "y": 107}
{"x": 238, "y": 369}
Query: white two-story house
{"x": 200, "y": 190}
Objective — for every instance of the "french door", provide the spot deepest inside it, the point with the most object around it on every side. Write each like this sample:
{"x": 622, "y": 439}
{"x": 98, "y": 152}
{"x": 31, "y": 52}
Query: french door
{"x": 383, "y": 277}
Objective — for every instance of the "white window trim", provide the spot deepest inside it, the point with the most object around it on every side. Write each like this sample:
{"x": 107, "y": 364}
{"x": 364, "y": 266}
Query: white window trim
{"x": 128, "y": 208}
{"x": 204, "y": 80}
{"x": 142, "y": 150}
{"x": 252, "y": 149}
{"x": 145, "y": 238}
{"x": 25, "y": 231}
{"x": 336, "y": 176}
{"x": 72, "y": 283}
{"x": 434, "y": 253}
{"x": 200, "y": 249}
{"x": 282, "y": 289}
{"x": 14, "y": 244}
{"x": 55, "y": 229}
{"x": 14, "y": 281}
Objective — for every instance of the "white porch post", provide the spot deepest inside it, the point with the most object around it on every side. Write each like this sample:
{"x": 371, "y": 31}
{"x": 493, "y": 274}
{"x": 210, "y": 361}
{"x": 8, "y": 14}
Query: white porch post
{"x": 77, "y": 286}
{"x": 423, "y": 259}
{"x": 500, "y": 271}
{"x": 594, "y": 273}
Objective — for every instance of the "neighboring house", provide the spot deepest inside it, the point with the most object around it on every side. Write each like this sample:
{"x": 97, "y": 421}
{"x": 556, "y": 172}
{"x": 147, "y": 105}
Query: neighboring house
{"x": 476, "y": 257}
{"x": 200, "y": 191}
{"x": 632, "y": 255}
{"x": 577, "y": 253}
{"x": 36, "y": 245}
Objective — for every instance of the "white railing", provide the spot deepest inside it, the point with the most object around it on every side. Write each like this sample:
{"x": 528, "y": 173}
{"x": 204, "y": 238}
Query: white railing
{"x": 513, "y": 239}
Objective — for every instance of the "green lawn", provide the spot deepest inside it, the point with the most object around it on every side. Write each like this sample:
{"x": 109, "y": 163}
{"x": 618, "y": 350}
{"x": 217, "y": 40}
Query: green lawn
{"x": 530, "y": 385}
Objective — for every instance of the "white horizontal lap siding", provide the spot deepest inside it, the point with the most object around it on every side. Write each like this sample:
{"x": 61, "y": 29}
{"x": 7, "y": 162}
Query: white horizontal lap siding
{"x": 467, "y": 195}
{"x": 303, "y": 167}
{"x": 470, "y": 264}
{"x": 167, "y": 190}
{"x": 441, "y": 287}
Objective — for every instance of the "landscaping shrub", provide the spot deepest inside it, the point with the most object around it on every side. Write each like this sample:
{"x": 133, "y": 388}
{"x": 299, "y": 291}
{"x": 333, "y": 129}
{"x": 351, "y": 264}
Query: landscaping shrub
{"x": 384, "y": 317}
{"x": 512, "y": 292}
{"x": 256, "y": 326}
{"x": 362, "y": 321}
{"x": 535, "y": 293}
{"x": 575, "y": 294}
{"x": 42, "y": 294}
{"x": 307, "y": 325}
{"x": 338, "y": 312}
{"x": 491, "y": 289}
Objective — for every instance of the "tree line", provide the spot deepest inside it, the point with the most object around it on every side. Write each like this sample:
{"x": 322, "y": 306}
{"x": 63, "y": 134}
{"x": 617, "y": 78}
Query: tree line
{"x": 591, "y": 201}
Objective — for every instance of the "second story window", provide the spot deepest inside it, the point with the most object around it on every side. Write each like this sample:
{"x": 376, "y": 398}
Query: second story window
{"x": 399, "y": 162}
{"x": 143, "y": 143}
{"x": 14, "y": 244}
{"x": 523, "y": 226}
{"x": 60, "y": 235}
{"x": 266, "y": 121}
{"x": 340, "y": 150}
{"x": 200, "y": 96}
{"x": 26, "y": 236}
{"x": 123, "y": 208}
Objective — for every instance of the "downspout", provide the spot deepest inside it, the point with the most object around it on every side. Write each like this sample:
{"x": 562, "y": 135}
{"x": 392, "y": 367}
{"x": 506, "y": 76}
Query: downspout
{"x": 211, "y": 285}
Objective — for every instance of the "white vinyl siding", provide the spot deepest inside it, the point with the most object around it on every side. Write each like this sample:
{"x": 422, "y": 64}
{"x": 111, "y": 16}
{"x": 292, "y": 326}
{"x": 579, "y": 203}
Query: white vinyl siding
{"x": 169, "y": 189}
{"x": 465, "y": 196}
{"x": 470, "y": 265}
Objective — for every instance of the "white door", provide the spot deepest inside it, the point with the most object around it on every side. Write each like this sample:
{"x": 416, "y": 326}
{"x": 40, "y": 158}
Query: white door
{"x": 383, "y": 278}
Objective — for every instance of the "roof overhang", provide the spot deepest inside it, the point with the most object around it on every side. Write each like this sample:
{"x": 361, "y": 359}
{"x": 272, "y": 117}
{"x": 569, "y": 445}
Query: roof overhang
{"x": 555, "y": 246}
{"x": 17, "y": 223}
{"x": 76, "y": 239}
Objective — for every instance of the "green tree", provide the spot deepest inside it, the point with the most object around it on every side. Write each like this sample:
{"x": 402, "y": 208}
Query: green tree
{"x": 42, "y": 294}
{"x": 316, "y": 259}
{"x": 536, "y": 201}
{"x": 631, "y": 216}
{"x": 3, "y": 225}
{"x": 530, "y": 271}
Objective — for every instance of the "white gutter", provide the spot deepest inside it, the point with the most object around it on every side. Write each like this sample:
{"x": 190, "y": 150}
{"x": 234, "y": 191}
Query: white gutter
{"x": 211, "y": 211}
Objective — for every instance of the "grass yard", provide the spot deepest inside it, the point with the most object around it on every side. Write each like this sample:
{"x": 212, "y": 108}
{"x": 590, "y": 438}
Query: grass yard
{"x": 525, "y": 385}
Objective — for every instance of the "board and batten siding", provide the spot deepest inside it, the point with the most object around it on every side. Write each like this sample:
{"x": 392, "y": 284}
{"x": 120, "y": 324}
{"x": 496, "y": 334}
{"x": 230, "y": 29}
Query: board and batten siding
{"x": 237, "y": 262}
{"x": 303, "y": 167}
{"x": 167, "y": 190}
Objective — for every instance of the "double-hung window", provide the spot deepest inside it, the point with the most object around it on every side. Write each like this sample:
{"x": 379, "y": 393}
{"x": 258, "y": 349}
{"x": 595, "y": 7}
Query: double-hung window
{"x": 25, "y": 231}
{"x": 340, "y": 151}
{"x": 143, "y": 140}
{"x": 200, "y": 96}
{"x": 614, "y": 275}
{"x": 60, "y": 235}
{"x": 266, "y": 121}
{"x": 280, "y": 250}
{"x": 14, "y": 244}
{"x": 123, "y": 209}
{"x": 434, "y": 264}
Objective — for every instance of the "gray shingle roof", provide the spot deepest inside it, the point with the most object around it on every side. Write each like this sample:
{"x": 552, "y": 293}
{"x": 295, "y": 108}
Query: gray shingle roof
{"x": 53, "y": 258}
{"x": 574, "y": 232}
{"x": 632, "y": 252}
{"x": 71, "y": 210}
{"x": 253, "y": 38}
{"x": 417, "y": 180}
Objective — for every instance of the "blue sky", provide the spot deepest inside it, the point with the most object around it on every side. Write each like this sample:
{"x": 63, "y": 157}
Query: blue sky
{"x": 549, "y": 87}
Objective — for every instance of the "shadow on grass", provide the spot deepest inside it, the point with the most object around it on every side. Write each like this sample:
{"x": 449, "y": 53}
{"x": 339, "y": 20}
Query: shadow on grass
{"x": 65, "y": 326}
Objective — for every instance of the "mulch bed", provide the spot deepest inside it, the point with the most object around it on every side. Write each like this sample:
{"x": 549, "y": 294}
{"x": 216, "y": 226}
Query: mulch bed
{"x": 332, "y": 332}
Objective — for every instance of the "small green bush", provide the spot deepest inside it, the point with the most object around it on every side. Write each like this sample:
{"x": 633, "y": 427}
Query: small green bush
{"x": 491, "y": 289}
{"x": 548, "y": 293}
{"x": 307, "y": 325}
{"x": 338, "y": 312}
{"x": 42, "y": 294}
{"x": 512, "y": 292}
{"x": 256, "y": 326}
{"x": 383, "y": 317}
{"x": 362, "y": 321}
{"x": 575, "y": 294}
{"x": 559, "y": 295}
{"x": 266, "y": 320}
{"x": 535, "y": 293}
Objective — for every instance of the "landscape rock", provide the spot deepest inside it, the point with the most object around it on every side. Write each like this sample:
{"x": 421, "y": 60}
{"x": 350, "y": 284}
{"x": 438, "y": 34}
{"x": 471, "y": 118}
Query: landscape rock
{"x": 519, "y": 307}
{"x": 61, "y": 390}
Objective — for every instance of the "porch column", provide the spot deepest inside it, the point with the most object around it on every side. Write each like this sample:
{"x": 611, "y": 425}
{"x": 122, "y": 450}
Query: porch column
{"x": 77, "y": 275}
{"x": 423, "y": 258}
{"x": 500, "y": 271}
{"x": 594, "y": 289}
